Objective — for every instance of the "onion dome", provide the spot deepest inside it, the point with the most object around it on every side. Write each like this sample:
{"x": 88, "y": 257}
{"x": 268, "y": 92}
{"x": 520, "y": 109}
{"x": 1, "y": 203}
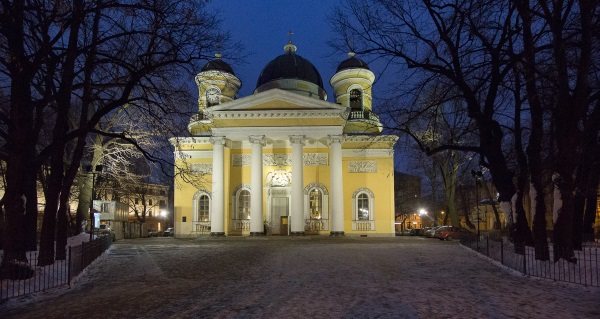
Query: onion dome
{"x": 352, "y": 62}
{"x": 289, "y": 66}
{"x": 217, "y": 65}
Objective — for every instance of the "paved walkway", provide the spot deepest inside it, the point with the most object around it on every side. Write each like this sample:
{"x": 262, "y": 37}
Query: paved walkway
{"x": 404, "y": 277}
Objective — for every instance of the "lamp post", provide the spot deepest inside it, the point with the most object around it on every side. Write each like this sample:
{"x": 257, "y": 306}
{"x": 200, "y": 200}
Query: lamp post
{"x": 97, "y": 170}
{"x": 477, "y": 175}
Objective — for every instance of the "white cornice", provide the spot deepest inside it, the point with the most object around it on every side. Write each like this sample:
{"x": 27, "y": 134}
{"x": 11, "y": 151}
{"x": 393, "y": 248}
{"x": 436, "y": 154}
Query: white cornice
{"x": 371, "y": 138}
{"x": 277, "y": 114}
{"x": 276, "y": 94}
{"x": 189, "y": 140}
{"x": 277, "y": 133}
{"x": 387, "y": 152}
{"x": 193, "y": 154}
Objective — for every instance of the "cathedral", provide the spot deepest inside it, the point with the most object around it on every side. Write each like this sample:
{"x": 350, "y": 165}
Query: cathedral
{"x": 284, "y": 160}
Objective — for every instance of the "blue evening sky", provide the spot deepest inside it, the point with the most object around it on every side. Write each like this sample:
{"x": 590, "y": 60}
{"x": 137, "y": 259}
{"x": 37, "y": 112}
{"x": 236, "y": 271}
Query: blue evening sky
{"x": 262, "y": 27}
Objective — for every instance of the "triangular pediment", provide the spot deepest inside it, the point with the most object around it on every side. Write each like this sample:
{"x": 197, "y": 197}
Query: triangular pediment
{"x": 276, "y": 99}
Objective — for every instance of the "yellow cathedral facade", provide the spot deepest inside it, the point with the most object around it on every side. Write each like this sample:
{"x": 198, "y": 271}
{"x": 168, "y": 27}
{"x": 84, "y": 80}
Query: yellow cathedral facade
{"x": 284, "y": 160}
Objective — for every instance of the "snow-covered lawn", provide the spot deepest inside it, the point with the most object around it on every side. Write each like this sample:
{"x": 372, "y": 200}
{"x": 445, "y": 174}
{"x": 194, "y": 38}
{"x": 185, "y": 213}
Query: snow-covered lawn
{"x": 307, "y": 277}
{"x": 45, "y": 277}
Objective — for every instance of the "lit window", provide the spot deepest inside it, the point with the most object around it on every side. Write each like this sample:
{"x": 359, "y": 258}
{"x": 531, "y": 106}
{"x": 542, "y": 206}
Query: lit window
{"x": 316, "y": 203}
{"x": 356, "y": 100}
{"x": 363, "y": 207}
{"x": 203, "y": 208}
{"x": 243, "y": 204}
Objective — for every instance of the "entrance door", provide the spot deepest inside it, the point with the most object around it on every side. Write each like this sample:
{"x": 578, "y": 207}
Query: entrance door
{"x": 279, "y": 207}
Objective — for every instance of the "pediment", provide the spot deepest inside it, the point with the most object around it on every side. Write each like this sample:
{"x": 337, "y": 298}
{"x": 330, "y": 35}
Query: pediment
{"x": 276, "y": 99}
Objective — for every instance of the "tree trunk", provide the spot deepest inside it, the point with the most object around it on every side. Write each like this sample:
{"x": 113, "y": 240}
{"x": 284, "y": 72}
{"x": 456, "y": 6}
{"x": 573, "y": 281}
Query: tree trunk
{"x": 491, "y": 143}
{"x": 20, "y": 141}
{"x": 31, "y": 209}
{"x": 497, "y": 222}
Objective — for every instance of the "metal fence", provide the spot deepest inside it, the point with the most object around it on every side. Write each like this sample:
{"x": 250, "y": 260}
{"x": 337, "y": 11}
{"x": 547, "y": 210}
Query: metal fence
{"x": 586, "y": 271}
{"x": 60, "y": 273}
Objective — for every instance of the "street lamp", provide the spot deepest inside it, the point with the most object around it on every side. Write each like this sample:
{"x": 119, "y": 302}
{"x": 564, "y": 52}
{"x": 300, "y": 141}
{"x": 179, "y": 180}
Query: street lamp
{"x": 163, "y": 214}
{"x": 97, "y": 170}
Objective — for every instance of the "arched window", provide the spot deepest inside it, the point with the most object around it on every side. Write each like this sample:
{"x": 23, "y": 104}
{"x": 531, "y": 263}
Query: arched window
{"x": 356, "y": 101}
{"x": 243, "y": 205}
{"x": 363, "y": 207}
{"x": 315, "y": 203}
{"x": 203, "y": 208}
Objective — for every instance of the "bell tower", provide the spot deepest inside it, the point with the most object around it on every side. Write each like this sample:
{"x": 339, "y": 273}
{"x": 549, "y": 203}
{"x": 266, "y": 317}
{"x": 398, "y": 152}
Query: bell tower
{"x": 217, "y": 84}
{"x": 352, "y": 84}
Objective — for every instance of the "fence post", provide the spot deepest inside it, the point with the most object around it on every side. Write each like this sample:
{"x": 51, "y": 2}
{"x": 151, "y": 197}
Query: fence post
{"x": 82, "y": 254}
{"x": 502, "y": 251}
{"x": 525, "y": 261}
{"x": 69, "y": 267}
{"x": 487, "y": 245}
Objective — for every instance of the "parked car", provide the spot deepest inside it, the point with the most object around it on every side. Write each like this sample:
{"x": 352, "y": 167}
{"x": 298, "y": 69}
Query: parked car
{"x": 415, "y": 232}
{"x": 168, "y": 232}
{"x": 452, "y": 232}
{"x": 431, "y": 231}
{"x": 152, "y": 233}
{"x": 105, "y": 230}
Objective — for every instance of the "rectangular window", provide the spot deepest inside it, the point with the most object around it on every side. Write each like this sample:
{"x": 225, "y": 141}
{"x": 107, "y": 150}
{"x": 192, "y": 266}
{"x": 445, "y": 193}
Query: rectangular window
{"x": 150, "y": 202}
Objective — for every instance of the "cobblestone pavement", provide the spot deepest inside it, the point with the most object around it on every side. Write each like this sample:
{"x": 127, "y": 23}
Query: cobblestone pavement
{"x": 304, "y": 277}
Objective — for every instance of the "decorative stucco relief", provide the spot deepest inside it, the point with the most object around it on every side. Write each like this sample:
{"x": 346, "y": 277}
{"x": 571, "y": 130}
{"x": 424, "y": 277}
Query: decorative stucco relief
{"x": 279, "y": 178}
{"x": 310, "y": 159}
{"x": 315, "y": 159}
{"x": 276, "y": 160}
{"x": 201, "y": 168}
{"x": 362, "y": 167}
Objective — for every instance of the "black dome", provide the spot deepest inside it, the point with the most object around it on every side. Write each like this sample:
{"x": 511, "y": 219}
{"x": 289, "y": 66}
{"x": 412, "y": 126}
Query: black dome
{"x": 352, "y": 63}
{"x": 217, "y": 65}
{"x": 290, "y": 66}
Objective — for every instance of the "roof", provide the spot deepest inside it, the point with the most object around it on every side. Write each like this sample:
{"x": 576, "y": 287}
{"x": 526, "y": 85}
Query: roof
{"x": 352, "y": 63}
{"x": 290, "y": 66}
{"x": 217, "y": 65}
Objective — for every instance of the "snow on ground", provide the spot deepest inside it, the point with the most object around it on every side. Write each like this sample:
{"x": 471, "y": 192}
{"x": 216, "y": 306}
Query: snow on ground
{"x": 304, "y": 277}
{"x": 46, "y": 277}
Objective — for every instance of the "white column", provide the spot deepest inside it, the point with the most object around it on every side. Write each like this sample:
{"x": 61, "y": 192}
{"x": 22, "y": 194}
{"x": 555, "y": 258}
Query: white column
{"x": 297, "y": 213}
{"x": 256, "y": 181}
{"x": 217, "y": 218}
{"x": 337, "y": 185}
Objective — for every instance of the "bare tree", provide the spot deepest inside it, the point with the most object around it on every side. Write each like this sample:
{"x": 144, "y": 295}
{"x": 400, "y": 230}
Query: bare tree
{"x": 456, "y": 43}
{"x": 85, "y": 60}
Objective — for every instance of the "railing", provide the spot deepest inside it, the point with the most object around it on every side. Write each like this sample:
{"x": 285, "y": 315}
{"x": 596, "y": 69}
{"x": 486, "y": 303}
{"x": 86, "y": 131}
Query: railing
{"x": 363, "y": 225}
{"x": 586, "y": 271}
{"x": 201, "y": 227}
{"x": 241, "y": 224}
{"x": 26, "y": 278}
{"x": 316, "y": 225}
{"x": 363, "y": 115}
